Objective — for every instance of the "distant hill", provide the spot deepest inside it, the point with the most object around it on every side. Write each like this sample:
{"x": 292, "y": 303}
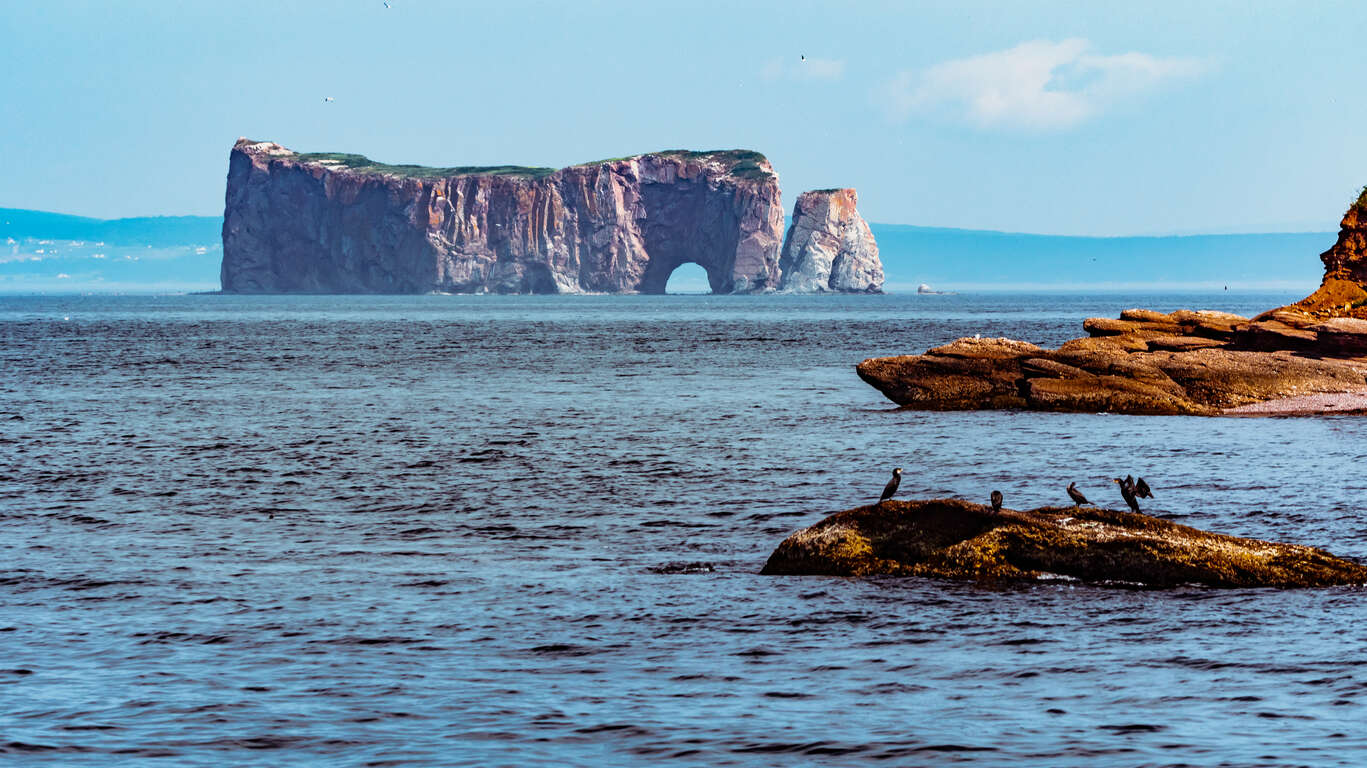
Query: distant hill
{"x": 965, "y": 259}
{"x": 54, "y": 252}
{"x": 43, "y": 252}
{"x": 156, "y": 231}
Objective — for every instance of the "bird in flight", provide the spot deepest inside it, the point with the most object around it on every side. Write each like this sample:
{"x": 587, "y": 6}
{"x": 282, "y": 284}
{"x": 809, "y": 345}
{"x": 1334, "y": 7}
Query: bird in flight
{"x": 327, "y": 99}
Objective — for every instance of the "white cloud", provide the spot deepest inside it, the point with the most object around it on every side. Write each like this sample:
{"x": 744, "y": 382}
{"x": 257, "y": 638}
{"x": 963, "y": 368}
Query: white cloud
{"x": 803, "y": 68}
{"x": 1037, "y": 85}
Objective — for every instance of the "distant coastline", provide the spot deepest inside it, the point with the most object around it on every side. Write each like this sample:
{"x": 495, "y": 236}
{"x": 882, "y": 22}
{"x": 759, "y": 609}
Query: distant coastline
{"x": 958, "y": 260}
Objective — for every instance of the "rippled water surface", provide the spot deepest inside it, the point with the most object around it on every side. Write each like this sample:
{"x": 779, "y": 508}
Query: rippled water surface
{"x": 527, "y": 531}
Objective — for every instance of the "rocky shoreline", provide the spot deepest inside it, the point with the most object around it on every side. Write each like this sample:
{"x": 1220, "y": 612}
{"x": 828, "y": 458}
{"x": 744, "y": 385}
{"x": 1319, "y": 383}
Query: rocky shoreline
{"x": 1309, "y": 357}
{"x": 954, "y": 539}
{"x": 1195, "y": 363}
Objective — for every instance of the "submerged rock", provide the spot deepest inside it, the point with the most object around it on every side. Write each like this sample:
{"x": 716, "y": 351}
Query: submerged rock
{"x": 948, "y": 538}
{"x": 829, "y": 247}
{"x": 691, "y": 567}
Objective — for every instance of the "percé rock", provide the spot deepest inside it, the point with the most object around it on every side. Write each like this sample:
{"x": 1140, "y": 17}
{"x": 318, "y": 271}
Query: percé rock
{"x": 952, "y": 539}
{"x": 343, "y": 224}
{"x": 1309, "y": 357}
{"x": 829, "y": 247}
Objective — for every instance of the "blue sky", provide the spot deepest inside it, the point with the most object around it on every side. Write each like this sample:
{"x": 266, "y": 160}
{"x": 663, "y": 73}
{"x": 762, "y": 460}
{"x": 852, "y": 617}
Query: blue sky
{"x": 1068, "y": 118}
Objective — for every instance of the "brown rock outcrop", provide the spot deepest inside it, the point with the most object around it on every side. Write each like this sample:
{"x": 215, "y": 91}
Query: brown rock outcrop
{"x": 829, "y": 247}
{"x": 1343, "y": 292}
{"x": 327, "y": 223}
{"x": 952, "y": 539}
{"x": 1184, "y": 362}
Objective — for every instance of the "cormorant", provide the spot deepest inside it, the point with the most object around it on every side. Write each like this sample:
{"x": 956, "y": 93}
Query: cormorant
{"x": 891, "y": 487}
{"x": 1141, "y": 489}
{"x": 996, "y": 502}
{"x": 1127, "y": 491}
{"x": 1076, "y": 495}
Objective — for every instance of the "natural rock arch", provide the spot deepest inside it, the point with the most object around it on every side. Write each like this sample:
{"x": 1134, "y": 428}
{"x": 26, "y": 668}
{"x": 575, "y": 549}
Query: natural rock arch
{"x": 685, "y": 278}
{"x": 689, "y": 223}
{"x": 659, "y": 270}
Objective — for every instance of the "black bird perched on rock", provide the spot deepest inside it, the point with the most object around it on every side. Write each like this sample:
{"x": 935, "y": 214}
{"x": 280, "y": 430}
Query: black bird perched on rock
{"x": 1127, "y": 491}
{"x": 891, "y": 487}
{"x": 996, "y": 502}
{"x": 1076, "y": 495}
{"x": 1141, "y": 489}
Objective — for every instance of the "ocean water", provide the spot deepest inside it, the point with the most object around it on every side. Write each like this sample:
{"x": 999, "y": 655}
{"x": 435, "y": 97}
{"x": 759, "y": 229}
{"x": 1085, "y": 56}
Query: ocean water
{"x": 449, "y": 530}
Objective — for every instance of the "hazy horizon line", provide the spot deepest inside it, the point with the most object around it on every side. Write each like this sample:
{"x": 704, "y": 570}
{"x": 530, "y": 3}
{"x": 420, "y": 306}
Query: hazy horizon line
{"x": 936, "y": 227}
{"x": 897, "y": 289}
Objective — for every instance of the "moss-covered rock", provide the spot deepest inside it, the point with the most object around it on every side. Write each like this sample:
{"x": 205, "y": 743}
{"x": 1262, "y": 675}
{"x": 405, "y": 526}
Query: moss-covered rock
{"x": 954, "y": 539}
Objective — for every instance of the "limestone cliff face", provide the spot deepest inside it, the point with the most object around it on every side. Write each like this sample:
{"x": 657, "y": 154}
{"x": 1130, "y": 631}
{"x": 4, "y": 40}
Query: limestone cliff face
{"x": 1343, "y": 292}
{"x": 829, "y": 246}
{"x": 342, "y": 224}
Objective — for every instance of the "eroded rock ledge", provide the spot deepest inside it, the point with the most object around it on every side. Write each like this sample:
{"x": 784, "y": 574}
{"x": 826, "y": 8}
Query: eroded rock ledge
{"x": 953, "y": 539}
{"x": 1187, "y": 362}
{"x": 1309, "y": 357}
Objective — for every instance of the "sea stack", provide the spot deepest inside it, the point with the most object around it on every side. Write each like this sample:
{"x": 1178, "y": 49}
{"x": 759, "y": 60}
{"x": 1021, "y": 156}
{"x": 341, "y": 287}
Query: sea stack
{"x": 829, "y": 247}
{"x": 335, "y": 223}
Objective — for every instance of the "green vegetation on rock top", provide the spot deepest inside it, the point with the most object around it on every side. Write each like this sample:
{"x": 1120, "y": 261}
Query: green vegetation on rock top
{"x": 363, "y": 164}
{"x": 745, "y": 163}
{"x": 738, "y": 155}
{"x": 1362, "y": 200}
